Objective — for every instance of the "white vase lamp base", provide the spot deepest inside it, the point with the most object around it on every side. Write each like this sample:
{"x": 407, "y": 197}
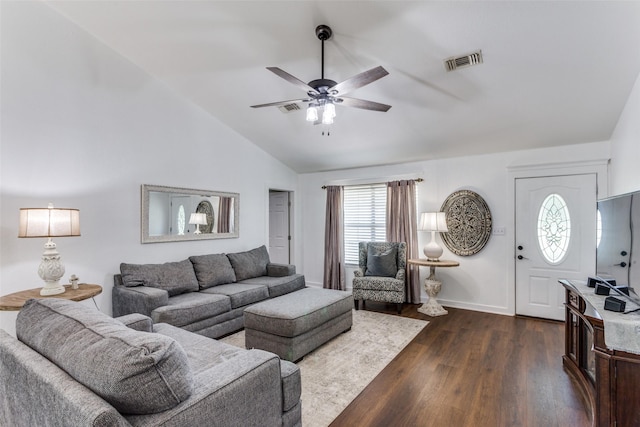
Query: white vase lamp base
{"x": 433, "y": 251}
{"x": 51, "y": 270}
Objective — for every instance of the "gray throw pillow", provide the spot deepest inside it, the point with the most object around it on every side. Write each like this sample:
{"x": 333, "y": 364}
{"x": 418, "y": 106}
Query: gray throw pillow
{"x": 250, "y": 264}
{"x": 174, "y": 277}
{"x": 382, "y": 264}
{"x": 136, "y": 372}
{"x": 213, "y": 270}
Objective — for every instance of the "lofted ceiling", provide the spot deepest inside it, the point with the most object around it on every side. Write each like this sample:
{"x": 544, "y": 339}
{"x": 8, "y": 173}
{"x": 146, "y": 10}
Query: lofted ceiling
{"x": 554, "y": 73}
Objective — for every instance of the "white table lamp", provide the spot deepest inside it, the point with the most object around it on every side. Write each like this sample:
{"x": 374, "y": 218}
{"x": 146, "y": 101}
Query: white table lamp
{"x": 49, "y": 222}
{"x": 433, "y": 221}
{"x": 198, "y": 219}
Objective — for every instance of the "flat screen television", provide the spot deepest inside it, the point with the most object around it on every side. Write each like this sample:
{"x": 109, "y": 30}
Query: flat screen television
{"x": 618, "y": 239}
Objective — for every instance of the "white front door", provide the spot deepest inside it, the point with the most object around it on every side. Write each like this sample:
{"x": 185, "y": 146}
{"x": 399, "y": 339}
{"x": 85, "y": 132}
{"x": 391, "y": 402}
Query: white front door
{"x": 279, "y": 227}
{"x": 555, "y": 239}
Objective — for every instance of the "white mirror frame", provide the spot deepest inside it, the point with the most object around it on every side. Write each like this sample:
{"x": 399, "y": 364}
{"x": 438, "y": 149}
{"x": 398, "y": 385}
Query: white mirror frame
{"x": 145, "y": 198}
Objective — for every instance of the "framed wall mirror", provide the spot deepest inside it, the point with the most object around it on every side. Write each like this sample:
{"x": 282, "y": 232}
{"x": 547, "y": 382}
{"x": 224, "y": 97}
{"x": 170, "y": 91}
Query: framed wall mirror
{"x": 171, "y": 214}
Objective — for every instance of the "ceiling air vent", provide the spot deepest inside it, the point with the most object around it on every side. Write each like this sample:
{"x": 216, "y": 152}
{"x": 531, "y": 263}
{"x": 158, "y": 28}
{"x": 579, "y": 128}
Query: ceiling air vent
{"x": 288, "y": 108}
{"x": 468, "y": 60}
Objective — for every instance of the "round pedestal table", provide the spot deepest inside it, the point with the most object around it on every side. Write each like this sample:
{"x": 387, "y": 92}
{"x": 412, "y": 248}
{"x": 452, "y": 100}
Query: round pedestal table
{"x": 432, "y": 285}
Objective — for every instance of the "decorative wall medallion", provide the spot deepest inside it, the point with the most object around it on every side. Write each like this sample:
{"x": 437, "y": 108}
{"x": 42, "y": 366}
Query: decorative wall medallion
{"x": 468, "y": 221}
{"x": 206, "y": 208}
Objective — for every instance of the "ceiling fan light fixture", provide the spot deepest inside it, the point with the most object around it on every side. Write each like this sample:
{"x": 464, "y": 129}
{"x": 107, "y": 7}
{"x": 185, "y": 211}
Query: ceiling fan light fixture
{"x": 329, "y": 109}
{"x": 328, "y": 112}
{"x": 327, "y": 118}
{"x": 312, "y": 113}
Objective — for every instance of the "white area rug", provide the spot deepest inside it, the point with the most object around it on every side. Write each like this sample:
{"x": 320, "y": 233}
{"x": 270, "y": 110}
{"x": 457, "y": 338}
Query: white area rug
{"x": 334, "y": 374}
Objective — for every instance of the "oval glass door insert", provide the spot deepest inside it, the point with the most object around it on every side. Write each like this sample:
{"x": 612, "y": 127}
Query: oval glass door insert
{"x": 554, "y": 228}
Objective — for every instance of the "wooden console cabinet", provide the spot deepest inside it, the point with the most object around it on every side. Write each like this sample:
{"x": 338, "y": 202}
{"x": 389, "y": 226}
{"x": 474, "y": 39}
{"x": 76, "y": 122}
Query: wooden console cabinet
{"x": 609, "y": 378}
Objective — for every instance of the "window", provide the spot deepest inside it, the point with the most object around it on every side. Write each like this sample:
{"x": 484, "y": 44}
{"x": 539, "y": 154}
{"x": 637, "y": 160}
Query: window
{"x": 364, "y": 217}
{"x": 554, "y": 228}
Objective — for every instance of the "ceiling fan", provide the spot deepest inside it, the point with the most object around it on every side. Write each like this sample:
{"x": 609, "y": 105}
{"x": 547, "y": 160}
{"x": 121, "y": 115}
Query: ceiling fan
{"x": 323, "y": 94}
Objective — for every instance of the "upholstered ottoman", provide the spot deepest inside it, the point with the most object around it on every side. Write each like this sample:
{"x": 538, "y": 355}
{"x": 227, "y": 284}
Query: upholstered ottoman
{"x": 297, "y": 323}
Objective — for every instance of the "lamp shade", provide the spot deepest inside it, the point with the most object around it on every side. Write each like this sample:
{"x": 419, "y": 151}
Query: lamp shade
{"x": 433, "y": 221}
{"x": 198, "y": 218}
{"x": 312, "y": 113}
{"x": 49, "y": 222}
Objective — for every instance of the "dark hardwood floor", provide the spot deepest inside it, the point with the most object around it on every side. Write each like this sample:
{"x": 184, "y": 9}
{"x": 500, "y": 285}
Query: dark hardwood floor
{"x": 473, "y": 369}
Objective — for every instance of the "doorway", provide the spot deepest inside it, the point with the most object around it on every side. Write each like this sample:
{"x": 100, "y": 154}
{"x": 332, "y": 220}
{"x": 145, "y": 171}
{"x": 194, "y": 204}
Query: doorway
{"x": 180, "y": 209}
{"x": 279, "y": 227}
{"x": 555, "y": 238}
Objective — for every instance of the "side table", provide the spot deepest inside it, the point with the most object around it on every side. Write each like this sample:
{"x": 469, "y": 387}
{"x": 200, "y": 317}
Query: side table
{"x": 15, "y": 301}
{"x": 432, "y": 285}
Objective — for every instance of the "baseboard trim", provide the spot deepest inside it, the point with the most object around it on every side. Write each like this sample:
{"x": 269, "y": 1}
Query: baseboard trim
{"x": 476, "y": 307}
{"x": 316, "y": 285}
{"x": 454, "y": 304}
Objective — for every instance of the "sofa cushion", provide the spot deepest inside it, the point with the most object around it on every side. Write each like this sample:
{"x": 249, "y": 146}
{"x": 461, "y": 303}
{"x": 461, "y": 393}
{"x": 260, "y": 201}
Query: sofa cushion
{"x": 173, "y": 277}
{"x": 203, "y": 353}
{"x": 212, "y": 270}
{"x": 278, "y": 285}
{"x": 240, "y": 294}
{"x": 136, "y": 372}
{"x": 192, "y": 307}
{"x": 250, "y": 264}
{"x": 280, "y": 270}
{"x": 382, "y": 264}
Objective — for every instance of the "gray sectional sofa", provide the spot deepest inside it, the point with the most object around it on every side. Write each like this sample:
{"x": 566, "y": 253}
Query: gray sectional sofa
{"x": 74, "y": 366}
{"x": 205, "y": 294}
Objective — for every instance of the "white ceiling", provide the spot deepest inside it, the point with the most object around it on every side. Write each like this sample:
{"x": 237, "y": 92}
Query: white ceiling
{"x": 554, "y": 73}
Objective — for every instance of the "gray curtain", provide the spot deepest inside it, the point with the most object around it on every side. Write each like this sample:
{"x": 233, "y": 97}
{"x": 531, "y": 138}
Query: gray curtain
{"x": 333, "y": 240}
{"x": 224, "y": 214}
{"x": 402, "y": 226}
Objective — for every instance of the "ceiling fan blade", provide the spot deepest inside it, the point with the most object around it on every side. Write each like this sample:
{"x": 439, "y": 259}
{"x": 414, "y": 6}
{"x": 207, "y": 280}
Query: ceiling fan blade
{"x": 279, "y": 103}
{"x": 360, "y": 80}
{"x": 365, "y": 105}
{"x": 291, "y": 79}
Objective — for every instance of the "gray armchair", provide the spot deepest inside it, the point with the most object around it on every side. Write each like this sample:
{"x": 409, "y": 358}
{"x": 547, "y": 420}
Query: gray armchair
{"x": 381, "y": 273}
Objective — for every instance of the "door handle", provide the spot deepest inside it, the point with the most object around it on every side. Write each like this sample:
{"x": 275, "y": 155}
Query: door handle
{"x": 522, "y": 257}
{"x": 622, "y": 264}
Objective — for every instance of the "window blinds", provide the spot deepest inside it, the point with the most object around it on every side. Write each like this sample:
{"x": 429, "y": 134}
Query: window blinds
{"x": 364, "y": 217}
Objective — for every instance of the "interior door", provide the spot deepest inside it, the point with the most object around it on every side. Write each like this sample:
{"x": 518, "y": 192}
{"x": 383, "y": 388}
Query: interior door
{"x": 279, "y": 227}
{"x": 180, "y": 212}
{"x": 555, "y": 239}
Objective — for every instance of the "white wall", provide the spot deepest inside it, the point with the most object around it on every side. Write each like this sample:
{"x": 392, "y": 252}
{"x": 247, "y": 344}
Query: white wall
{"x": 483, "y": 281}
{"x": 625, "y": 147}
{"x": 82, "y": 127}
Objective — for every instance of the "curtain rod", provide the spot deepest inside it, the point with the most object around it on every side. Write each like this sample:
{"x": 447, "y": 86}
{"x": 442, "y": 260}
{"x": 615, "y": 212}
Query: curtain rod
{"x": 324, "y": 187}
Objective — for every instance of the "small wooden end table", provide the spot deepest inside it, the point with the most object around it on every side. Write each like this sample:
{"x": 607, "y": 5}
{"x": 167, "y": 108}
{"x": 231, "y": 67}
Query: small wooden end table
{"x": 15, "y": 301}
{"x": 432, "y": 286}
